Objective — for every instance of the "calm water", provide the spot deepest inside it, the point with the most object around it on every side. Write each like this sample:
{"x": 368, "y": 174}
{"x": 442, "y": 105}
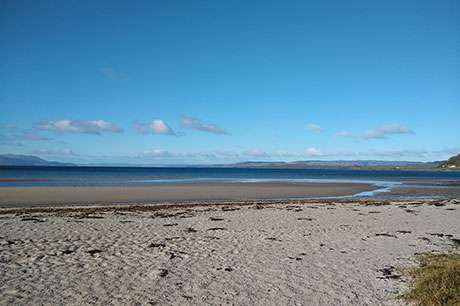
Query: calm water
{"x": 99, "y": 176}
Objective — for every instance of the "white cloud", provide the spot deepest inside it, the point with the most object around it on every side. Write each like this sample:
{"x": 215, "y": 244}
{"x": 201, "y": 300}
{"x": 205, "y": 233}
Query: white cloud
{"x": 229, "y": 156}
{"x": 157, "y": 126}
{"x": 157, "y": 153}
{"x": 283, "y": 154}
{"x": 313, "y": 127}
{"x": 346, "y": 134}
{"x": 203, "y": 156}
{"x": 408, "y": 154}
{"x": 160, "y": 127}
{"x": 255, "y": 153}
{"x": 51, "y": 152}
{"x": 198, "y": 125}
{"x": 79, "y": 126}
{"x": 378, "y": 133}
{"x": 389, "y": 129}
{"x": 313, "y": 152}
{"x": 161, "y": 154}
{"x": 32, "y": 136}
{"x": 414, "y": 154}
{"x": 14, "y": 136}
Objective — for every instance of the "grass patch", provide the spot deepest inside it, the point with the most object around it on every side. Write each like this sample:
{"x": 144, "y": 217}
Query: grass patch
{"x": 436, "y": 281}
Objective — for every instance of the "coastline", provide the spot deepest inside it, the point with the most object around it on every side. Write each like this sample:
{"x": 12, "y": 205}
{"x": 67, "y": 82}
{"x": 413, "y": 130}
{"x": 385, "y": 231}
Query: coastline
{"x": 207, "y": 243}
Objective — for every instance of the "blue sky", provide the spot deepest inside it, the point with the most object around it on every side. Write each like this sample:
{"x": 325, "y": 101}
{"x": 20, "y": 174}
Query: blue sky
{"x": 223, "y": 81}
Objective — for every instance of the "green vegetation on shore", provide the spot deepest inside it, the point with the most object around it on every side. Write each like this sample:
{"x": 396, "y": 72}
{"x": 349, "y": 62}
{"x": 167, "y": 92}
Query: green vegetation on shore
{"x": 436, "y": 281}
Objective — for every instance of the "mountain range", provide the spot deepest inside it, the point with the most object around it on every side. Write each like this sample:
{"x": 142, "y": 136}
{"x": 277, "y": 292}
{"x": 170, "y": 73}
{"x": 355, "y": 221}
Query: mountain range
{"x": 30, "y": 160}
{"x": 332, "y": 164}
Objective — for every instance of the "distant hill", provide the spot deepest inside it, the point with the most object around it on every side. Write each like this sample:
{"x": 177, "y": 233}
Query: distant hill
{"x": 334, "y": 164}
{"x": 28, "y": 160}
{"x": 452, "y": 163}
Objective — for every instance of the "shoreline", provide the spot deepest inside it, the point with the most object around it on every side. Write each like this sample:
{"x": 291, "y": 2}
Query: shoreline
{"x": 154, "y": 193}
{"x": 217, "y": 204}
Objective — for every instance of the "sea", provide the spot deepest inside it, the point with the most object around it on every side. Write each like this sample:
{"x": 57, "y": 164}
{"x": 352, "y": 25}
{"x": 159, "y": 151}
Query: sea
{"x": 102, "y": 176}
{"x": 386, "y": 180}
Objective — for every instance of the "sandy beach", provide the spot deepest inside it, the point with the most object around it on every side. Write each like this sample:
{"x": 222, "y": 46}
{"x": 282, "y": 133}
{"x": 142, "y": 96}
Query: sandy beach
{"x": 238, "y": 253}
{"x": 64, "y": 196}
{"x": 240, "y": 153}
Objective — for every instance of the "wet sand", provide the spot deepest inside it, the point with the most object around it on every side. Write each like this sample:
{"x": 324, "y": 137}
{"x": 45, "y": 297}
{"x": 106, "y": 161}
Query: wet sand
{"x": 267, "y": 253}
{"x": 64, "y": 196}
{"x": 424, "y": 192}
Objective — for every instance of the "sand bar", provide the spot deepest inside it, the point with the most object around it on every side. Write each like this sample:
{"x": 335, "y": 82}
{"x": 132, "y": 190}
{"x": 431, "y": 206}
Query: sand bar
{"x": 63, "y": 196}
